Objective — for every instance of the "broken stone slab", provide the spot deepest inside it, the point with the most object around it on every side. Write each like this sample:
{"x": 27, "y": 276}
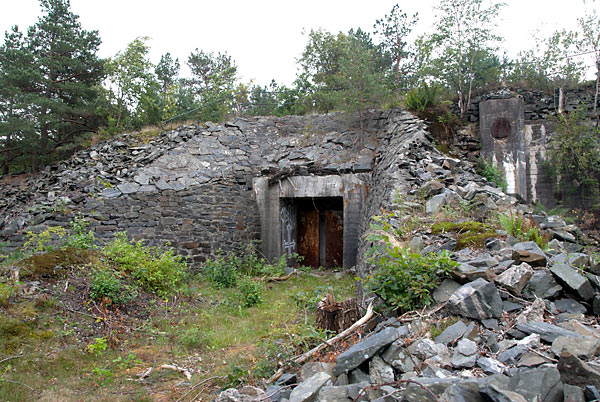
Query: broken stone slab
{"x": 542, "y": 384}
{"x": 311, "y": 368}
{"x": 515, "y": 278}
{"x": 445, "y": 290}
{"x": 465, "y": 354}
{"x": 542, "y": 285}
{"x": 530, "y": 253}
{"x": 379, "y": 371}
{"x": 307, "y": 390}
{"x": 364, "y": 350}
{"x": 478, "y": 299}
{"x": 246, "y": 394}
{"x": 569, "y": 306}
{"x": 398, "y": 357}
{"x": 435, "y": 203}
{"x": 452, "y": 333}
{"x": 425, "y": 348}
{"x": 548, "y": 332}
{"x": 574, "y": 371}
{"x": 343, "y": 393}
{"x": 491, "y": 366}
{"x": 577, "y": 260}
{"x": 573, "y": 280}
{"x": 465, "y": 272}
{"x": 574, "y": 394}
{"x": 583, "y": 347}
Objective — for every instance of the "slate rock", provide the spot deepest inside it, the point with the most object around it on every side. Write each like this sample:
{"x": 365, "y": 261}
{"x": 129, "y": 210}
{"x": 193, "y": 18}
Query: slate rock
{"x": 478, "y": 299}
{"x": 311, "y": 368}
{"x": 491, "y": 366}
{"x": 573, "y": 280}
{"x": 398, "y": 357}
{"x": 307, "y": 390}
{"x": 465, "y": 392}
{"x": 445, "y": 290}
{"x": 530, "y": 253}
{"x": 543, "y": 383}
{"x": 548, "y": 332}
{"x": 465, "y": 272}
{"x": 333, "y": 394}
{"x": 574, "y": 371}
{"x": 542, "y": 285}
{"x": 578, "y": 260}
{"x": 591, "y": 393}
{"x": 596, "y": 305}
{"x": 582, "y": 347}
{"x": 364, "y": 350}
{"x": 357, "y": 376}
{"x": 452, "y": 333}
{"x": 379, "y": 371}
{"x": 569, "y": 306}
{"x": 515, "y": 278}
{"x": 465, "y": 354}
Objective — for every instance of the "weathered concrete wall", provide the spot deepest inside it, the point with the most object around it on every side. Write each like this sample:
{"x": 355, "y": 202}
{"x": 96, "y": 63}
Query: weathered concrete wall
{"x": 353, "y": 188}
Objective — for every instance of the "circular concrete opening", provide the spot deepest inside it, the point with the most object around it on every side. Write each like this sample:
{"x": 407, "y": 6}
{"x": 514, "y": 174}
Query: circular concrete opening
{"x": 501, "y": 128}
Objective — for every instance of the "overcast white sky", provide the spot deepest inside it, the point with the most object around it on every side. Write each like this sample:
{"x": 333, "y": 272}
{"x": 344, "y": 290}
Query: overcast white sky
{"x": 264, "y": 37}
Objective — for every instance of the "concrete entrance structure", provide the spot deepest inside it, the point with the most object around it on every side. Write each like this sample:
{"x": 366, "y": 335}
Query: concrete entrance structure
{"x": 279, "y": 211}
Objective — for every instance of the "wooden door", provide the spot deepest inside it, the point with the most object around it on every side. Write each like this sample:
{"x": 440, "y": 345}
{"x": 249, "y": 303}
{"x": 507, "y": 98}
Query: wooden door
{"x": 334, "y": 238}
{"x": 308, "y": 237}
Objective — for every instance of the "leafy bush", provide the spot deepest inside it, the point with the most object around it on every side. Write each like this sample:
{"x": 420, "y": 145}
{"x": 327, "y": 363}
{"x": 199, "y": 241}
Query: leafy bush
{"x": 106, "y": 283}
{"x": 250, "y": 292}
{"x": 575, "y": 153}
{"x": 491, "y": 173}
{"x": 80, "y": 238}
{"x": 405, "y": 280}
{"x": 419, "y": 98}
{"x": 45, "y": 241}
{"x": 156, "y": 269}
{"x": 222, "y": 271}
{"x": 521, "y": 228}
{"x": 196, "y": 338}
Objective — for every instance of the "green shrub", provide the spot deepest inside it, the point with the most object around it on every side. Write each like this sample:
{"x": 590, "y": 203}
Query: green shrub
{"x": 405, "y": 280}
{"x": 107, "y": 283}
{"x": 196, "y": 338}
{"x": 424, "y": 95}
{"x": 45, "y": 241}
{"x": 521, "y": 228}
{"x": 250, "y": 292}
{"x": 491, "y": 173}
{"x": 80, "y": 238}
{"x": 222, "y": 271}
{"x": 156, "y": 269}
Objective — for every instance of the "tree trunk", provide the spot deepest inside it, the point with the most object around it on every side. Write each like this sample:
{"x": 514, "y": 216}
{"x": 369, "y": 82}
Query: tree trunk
{"x": 561, "y": 100}
{"x": 597, "y": 83}
{"x": 336, "y": 316}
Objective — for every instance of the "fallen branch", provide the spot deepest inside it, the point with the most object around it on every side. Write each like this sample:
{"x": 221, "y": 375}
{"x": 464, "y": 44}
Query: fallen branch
{"x": 305, "y": 356}
{"x": 197, "y": 385}
{"x": 17, "y": 382}
{"x": 10, "y": 358}
{"x": 182, "y": 370}
{"x": 282, "y": 278}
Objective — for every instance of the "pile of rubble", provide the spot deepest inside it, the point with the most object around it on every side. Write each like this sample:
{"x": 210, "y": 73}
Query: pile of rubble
{"x": 514, "y": 323}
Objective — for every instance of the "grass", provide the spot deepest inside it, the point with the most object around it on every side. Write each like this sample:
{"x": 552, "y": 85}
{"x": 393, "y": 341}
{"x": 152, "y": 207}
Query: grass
{"x": 202, "y": 329}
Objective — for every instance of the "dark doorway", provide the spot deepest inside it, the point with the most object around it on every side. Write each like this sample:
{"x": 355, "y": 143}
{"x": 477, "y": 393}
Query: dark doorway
{"x": 320, "y": 230}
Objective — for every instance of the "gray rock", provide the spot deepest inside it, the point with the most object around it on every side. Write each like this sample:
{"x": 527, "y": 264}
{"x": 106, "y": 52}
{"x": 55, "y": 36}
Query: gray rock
{"x": 542, "y": 285}
{"x": 478, "y": 299}
{"x": 357, "y": 376}
{"x": 553, "y": 222}
{"x": 465, "y": 272}
{"x": 591, "y": 393}
{"x": 574, "y": 281}
{"x": 379, "y": 371}
{"x": 541, "y": 383}
{"x": 364, "y": 350}
{"x": 512, "y": 355}
{"x": 426, "y": 348}
{"x": 445, "y": 290}
{"x": 311, "y": 368}
{"x": 466, "y": 392}
{"x": 465, "y": 354}
{"x": 515, "y": 278}
{"x": 452, "y": 333}
{"x": 435, "y": 203}
{"x": 548, "y": 332}
{"x": 573, "y": 393}
{"x": 582, "y": 347}
{"x": 569, "y": 306}
{"x": 110, "y": 193}
{"x": 530, "y": 253}
{"x": 128, "y": 188}
{"x": 399, "y": 358}
{"x": 308, "y": 389}
{"x": 333, "y": 394}
{"x": 578, "y": 260}
{"x": 574, "y": 371}
{"x": 491, "y": 366}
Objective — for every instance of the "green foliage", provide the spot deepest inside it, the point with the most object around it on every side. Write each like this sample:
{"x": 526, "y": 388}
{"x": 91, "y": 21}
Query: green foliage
{"x": 106, "y": 282}
{"x": 98, "y": 347}
{"x": 47, "y": 240}
{"x": 405, "y": 280}
{"x": 470, "y": 234}
{"x": 575, "y": 154}
{"x": 222, "y": 271}
{"x": 422, "y": 96}
{"x": 521, "y": 229}
{"x": 492, "y": 173}
{"x": 158, "y": 270}
{"x": 129, "y": 361}
{"x": 102, "y": 376}
{"x": 79, "y": 237}
{"x": 197, "y": 338}
{"x": 250, "y": 292}
{"x": 308, "y": 300}
{"x": 8, "y": 290}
